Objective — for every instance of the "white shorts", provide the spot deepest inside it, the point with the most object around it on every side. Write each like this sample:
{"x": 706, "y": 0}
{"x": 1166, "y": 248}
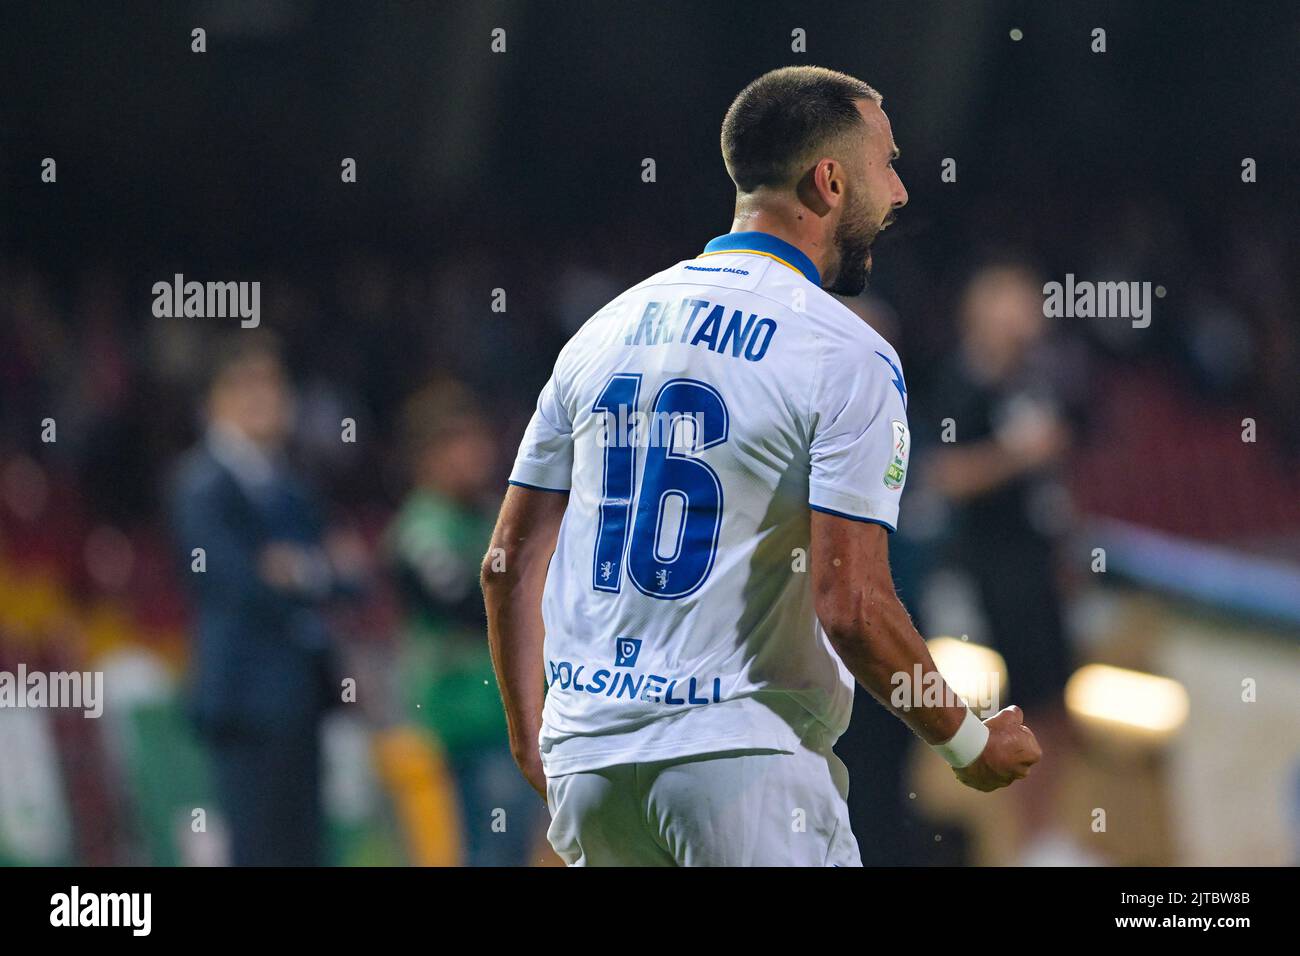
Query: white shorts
{"x": 735, "y": 808}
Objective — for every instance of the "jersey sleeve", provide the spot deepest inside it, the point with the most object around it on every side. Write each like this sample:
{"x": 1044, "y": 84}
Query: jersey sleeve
{"x": 545, "y": 458}
{"x": 859, "y": 442}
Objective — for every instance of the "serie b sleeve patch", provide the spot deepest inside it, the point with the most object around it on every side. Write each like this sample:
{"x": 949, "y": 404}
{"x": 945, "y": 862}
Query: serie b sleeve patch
{"x": 896, "y": 472}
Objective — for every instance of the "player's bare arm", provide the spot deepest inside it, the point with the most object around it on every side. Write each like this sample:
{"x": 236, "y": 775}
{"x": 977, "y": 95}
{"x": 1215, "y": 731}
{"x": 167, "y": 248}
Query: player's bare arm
{"x": 513, "y": 575}
{"x": 874, "y": 637}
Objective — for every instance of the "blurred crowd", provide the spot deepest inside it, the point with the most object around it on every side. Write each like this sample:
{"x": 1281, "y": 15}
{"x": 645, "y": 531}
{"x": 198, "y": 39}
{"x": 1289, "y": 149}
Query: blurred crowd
{"x": 340, "y": 466}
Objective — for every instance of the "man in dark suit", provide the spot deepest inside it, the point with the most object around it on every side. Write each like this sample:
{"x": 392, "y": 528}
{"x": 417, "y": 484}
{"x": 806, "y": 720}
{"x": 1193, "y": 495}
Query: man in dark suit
{"x": 260, "y": 666}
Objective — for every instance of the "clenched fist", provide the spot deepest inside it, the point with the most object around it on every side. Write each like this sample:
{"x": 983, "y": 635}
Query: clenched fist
{"x": 1011, "y": 750}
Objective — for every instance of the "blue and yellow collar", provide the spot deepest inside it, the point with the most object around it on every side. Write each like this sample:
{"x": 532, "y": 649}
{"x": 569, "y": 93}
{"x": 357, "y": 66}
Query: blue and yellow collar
{"x": 765, "y": 244}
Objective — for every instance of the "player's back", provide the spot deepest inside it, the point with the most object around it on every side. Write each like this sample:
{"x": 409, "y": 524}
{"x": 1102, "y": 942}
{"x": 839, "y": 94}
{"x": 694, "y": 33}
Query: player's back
{"x": 694, "y": 420}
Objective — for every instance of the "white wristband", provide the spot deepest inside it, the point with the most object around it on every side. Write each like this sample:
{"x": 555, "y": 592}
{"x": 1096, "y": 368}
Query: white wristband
{"x": 965, "y": 746}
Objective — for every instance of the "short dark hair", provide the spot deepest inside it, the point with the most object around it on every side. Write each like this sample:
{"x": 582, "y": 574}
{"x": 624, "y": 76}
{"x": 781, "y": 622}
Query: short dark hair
{"x": 783, "y": 117}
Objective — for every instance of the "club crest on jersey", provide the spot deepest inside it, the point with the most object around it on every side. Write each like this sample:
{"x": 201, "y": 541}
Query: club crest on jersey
{"x": 897, "y": 470}
{"x": 626, "y": 651}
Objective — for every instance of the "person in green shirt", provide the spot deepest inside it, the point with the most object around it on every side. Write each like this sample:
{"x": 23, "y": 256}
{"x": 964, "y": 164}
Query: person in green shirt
{"x": 434, "y": 546}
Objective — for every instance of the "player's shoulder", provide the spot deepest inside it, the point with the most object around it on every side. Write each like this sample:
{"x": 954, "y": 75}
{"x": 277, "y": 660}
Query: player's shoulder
{"x": 842, "y": 334}
{"x": 852, "y": 358}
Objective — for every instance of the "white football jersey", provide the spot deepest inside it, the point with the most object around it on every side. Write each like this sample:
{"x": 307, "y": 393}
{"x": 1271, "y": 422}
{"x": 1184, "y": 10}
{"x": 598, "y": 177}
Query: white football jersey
{"x": 694, "y": 421}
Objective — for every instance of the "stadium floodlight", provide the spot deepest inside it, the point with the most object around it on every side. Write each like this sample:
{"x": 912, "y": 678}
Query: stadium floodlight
{"x": 1147, "y": 705}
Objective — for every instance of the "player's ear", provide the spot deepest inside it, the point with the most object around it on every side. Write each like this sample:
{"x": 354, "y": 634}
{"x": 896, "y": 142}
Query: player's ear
{"x": 822, "y": 188}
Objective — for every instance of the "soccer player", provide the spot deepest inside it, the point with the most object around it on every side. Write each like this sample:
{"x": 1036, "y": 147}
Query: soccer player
{"x": 690, "y": 566}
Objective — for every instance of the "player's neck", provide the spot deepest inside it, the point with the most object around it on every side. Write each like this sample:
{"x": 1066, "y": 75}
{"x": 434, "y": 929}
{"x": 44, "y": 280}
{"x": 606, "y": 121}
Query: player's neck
{"x": 790, "y": 221}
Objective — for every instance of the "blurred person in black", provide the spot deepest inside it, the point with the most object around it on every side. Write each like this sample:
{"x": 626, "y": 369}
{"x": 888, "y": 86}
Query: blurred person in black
{"x": 1007, "y": 396}
{"x": 261, "y": 665}
{"x": 435, "y": 544}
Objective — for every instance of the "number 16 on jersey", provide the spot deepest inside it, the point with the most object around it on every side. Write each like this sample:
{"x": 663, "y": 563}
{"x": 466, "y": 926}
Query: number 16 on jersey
{"x": 665, "y": 535}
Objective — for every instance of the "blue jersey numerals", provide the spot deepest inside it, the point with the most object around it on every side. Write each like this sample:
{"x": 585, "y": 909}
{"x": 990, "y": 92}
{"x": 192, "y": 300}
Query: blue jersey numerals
{"x": 618, "y": 401}
{"x": 674, "y": 521}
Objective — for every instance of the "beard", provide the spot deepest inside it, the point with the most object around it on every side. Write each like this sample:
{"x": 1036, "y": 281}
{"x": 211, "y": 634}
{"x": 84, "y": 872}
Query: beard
{"x": 854, "y": 237}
